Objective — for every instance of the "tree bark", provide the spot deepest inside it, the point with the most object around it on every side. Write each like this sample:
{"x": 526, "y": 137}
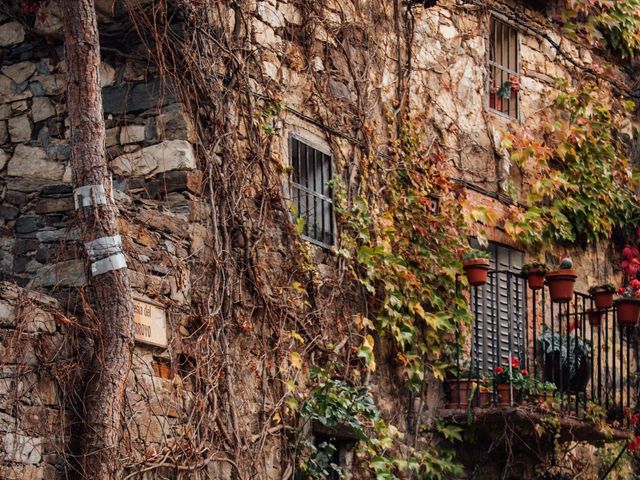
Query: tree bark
{"x": 113, "y": 330}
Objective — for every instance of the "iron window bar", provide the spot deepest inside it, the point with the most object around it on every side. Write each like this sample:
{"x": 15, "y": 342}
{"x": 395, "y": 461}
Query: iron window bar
{"x": 505, "y": 67}
{"x": 312, "y": 197}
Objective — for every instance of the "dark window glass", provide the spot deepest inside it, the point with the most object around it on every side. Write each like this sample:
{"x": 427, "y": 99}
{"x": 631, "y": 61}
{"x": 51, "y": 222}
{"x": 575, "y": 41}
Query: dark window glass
{"x": 312, "y": 197}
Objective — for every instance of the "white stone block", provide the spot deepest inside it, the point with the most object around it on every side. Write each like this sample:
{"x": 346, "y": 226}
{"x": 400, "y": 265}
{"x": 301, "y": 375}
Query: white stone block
{"x": 32, "y": 162}
{"x": 20, "y": 129}
{"x": 19, "y": 72}
{"x": 11, "y": 33}
{"x": 42, "y": 109}
{"x": 132, "y": 134}
{"x": 22, "y": 449}
{"x": 163, "y": 157}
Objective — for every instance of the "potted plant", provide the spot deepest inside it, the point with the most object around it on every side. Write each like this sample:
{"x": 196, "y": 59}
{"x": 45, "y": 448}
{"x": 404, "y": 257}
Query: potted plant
{"x": 542, "y": 391}
{"x": 505, "y": 381}
{"x": 464, "y": 389}
{"x": 476, "y": 266}
{"x": 561, "y": 280}
{"x": 602, "y": 295}
{"x": 595, "y": 318}
{"x": 523, "y": 384}
{"x": 534, "y": 272}
{"x": 566, "y": 360}
{"x": 628, "y": 305}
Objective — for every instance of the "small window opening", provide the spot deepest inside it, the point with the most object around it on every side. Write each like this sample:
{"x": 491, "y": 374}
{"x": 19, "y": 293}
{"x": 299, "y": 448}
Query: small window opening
{"x": 504, "y": 75}
{"x": 312, "y": 195}
{"x": 336, "y": 452}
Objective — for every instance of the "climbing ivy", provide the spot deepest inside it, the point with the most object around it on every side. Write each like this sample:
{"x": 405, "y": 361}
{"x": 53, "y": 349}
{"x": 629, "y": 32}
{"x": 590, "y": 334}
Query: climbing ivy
{"x": 580, "y": 179}
{"x": 606, "y": 23}
{"x": 407, "y": 255}
{"x": 380, "y": 452}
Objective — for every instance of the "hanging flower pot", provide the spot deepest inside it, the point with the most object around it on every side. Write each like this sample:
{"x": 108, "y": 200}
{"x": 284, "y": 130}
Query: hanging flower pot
{"x": 476, "y": 267}
{"x": 628, "y": 311}
{"x": 628, "y": 305}
{"x": 595, "y": 318}
{"x": 560, "y": 283}
{"x": 534, "y": 273}
{"x": 603, "y": 296}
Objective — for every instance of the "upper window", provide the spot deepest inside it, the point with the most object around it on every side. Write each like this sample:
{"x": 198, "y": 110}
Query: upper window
{"x": 312, "y": 196}
{"x": 504, "y": 76}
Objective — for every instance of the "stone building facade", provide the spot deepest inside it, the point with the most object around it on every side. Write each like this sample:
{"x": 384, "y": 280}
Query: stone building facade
{"x": 205, "y": 405}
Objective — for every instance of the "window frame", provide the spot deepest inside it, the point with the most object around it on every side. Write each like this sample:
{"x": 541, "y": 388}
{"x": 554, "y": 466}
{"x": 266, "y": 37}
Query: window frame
{"x": 309, "y": 143}
{"x": 491, "y": 64}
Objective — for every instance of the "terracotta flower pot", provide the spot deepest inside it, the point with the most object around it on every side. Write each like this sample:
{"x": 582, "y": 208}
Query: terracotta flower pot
{"x": 458, "y": 390}
{"x": 628, "y": 311}
{"x": 485, "y": 399}
{"x": 535, "y": 280}
{"x": 560, "y": 283}
{"x": 603, "y": 299}
{"x": 477, "y": 271}
{"x": 595, "y": 318}
{"x": 504, "y": 394}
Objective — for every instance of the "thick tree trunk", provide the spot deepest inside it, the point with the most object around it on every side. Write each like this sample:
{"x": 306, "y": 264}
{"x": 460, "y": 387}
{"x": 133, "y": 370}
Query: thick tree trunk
{"x": 113, "y": 331}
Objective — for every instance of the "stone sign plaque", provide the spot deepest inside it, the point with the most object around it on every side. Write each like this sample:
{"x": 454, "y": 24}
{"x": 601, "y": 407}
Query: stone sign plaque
{"x": 150, "y": 322}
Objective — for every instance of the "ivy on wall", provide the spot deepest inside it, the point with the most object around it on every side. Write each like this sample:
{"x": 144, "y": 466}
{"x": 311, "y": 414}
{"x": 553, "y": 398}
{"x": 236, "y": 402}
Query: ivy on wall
{"x": 606, "y": 24}
{"x": 407, "y": 255}
{"x": 381, "y": 451}
{"x": 578, "y": 172}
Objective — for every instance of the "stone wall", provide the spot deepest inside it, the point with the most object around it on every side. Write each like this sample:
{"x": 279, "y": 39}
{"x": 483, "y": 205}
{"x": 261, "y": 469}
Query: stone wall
{"x": 162, "y": 191}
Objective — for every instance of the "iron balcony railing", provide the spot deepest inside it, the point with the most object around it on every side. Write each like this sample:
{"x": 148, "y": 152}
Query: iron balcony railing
{"x": 589, "y": 362}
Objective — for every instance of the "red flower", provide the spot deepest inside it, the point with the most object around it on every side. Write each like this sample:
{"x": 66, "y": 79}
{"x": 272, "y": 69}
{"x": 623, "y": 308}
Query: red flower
{"x": 515, "y": 363}
{"x": 524, "y": 371}
{"x": 635, "y": 283}
{"x": 635, "y": 418}
{"x": 499, "y": 370}
{"x": 635, "y": 444}
{"x": 621, "y": 290}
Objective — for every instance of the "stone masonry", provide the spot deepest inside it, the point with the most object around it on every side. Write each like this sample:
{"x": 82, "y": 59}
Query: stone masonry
{"x": 165, "y": 216}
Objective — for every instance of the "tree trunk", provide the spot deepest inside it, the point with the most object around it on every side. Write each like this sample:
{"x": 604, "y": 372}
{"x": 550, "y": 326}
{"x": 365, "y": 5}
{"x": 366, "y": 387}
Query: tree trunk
{"x": 113, "y": 330}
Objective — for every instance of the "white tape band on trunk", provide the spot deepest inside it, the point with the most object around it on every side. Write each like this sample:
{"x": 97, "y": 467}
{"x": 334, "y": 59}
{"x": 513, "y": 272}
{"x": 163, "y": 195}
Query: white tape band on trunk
{"x": 114, "y": 262}
{"x": 88, "y": 195}
{"x": 105, "y": 254}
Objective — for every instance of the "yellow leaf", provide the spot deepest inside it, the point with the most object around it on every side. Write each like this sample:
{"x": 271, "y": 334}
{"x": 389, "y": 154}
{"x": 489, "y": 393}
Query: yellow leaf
{"x": 296, "y": 336}
{"x": 296, "y": 360}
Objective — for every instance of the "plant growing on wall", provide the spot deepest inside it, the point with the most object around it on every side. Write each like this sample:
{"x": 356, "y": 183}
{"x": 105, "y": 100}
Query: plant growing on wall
{"x": 407, "y": 255}
{"x": 335, "y": 404}
{"x": 606, "y": 24}
{"x": 580, "y": 177}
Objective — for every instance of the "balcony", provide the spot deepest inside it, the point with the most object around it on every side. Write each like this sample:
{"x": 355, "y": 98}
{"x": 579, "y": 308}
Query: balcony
{"x": 527, "y": 358}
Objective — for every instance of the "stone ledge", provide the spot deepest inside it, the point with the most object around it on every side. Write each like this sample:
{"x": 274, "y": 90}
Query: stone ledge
{"x": 572, "y": 429}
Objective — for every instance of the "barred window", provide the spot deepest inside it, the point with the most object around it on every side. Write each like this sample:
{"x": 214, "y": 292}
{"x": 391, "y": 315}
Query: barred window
{"x": 312, "y": 196}
{"x": 504, "y": 76}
